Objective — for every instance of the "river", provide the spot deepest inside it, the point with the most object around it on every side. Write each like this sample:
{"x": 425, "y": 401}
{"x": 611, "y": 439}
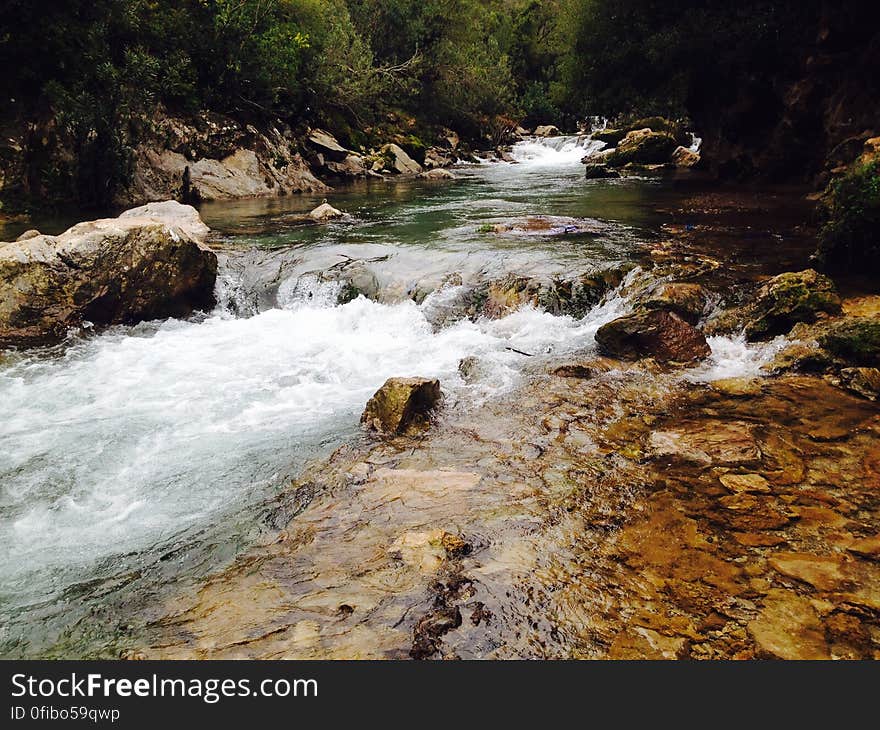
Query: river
{"x": 139, "y": 460}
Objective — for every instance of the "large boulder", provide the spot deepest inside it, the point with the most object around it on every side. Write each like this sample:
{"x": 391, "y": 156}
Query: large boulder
{"x": 148, "y": 263}
{"x": 350, "y": 166}
{"x": 401, "y": 405}
{"x": 787, "y": 299}
{"x": 325, "y": 212}
{"x": 398, "y": 161}
{"x": 643, "y": 147}
{"x": 659, "y": 334}
{"x": 599, "y": 171}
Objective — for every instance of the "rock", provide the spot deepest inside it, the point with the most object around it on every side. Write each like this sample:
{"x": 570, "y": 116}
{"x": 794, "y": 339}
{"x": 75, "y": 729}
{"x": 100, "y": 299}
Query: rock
{"x": 435, "y": 157}
{"x": 787, "y": 299}
{"x": 655, "y": 333}
{"x": 351, "y": 166}
{"x": 574, "y": 370}
{"x": 611, "y": 137}
{"x": 437, "y": 174}
{"x": 451, "y": 139}
{"x": 182, "y": 217}
{"x": 32, "y": 233}
{"x": 708, "y": 442}
{"x": 327, "y": 145}
{"x": 644, "y": 147}
{"x": 399, "y": 161}
{"x": 823, "y": 573}
{"x": 472, "y": 369}
{"x": 547, "y": 130}
{"x": 854, "y": 339}
{"x": 598, "y": 171}
{"x": 863, "y": 381}
{"x": 401, "y": 404}
{"x": 325, "y": 212}
{"x": 737, "y": 387}
{"x": 684, "y": 157}
{"x": 687, "y": 300}
{"x": 215, "y": 158}
{"x": 789, "y": 628}
{"x": 799, "y": 357}
{"x": 868, "y": 547}
{"x": 146, "y": 264}
{"x": 745, "y": 482}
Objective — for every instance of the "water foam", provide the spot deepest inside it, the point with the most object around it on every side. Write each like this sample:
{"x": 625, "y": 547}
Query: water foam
{"x": 567, "y": 151}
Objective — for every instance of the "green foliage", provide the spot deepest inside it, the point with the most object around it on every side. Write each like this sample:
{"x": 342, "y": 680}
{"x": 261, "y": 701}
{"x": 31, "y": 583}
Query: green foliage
{"x": 850, "y": 236}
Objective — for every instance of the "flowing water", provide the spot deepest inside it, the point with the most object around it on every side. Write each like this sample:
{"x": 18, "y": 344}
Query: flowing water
{"x": 143, "y": 458}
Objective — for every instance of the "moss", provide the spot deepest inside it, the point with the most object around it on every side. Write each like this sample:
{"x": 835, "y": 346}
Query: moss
{"x": 790, "y": 298}
{"x": 856, "y": 340}
{"x": 850, "y": 236}
{"x": 486, "y": 228}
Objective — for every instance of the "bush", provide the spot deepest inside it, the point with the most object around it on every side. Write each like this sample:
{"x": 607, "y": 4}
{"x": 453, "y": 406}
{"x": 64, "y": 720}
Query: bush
{"x": 850, "y": 236}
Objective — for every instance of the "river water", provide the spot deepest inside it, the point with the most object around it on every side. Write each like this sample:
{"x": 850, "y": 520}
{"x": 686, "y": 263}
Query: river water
{"x": 138, "y": 460}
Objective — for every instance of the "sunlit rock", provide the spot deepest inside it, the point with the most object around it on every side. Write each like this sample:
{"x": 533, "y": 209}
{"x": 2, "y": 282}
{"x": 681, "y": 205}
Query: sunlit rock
{"x": 402, "y": 404}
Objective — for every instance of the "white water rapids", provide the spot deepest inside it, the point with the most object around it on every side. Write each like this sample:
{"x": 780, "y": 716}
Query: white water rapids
{"x": 117, "y": 443}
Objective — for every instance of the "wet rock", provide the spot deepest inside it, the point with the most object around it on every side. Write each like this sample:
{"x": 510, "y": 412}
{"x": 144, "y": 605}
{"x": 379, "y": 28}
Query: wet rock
{"x": 863, "y": 381}
{"x": 737, "y": 387}
{"x": 438, "y": 158}
{"x": 745, "y": 482}
{"x": 868, "y": 547}
{"x": 400, "y": 162}
{"x": 644, "y": 147}
{"x": 599, "y": 171}
{"x": 687, "y": 300}
{"x": 799, "y": 357}
{"x": 855, "y": 340}
{"x": 611, "y": 137}
{"x": 788, "y": 627}
{"x": 709, "y": 442}
{"x": 401, "y": 404}
{"x": 325, "y": 212}
{"x": 574, "y": 370}
{"x": 684, "y": 157}
{"x": 790, "y": 298}
{"x": 659, "y": 334}
{"x": 472, "y": 369}
{"x": 547, "y": 130}
{"x": 821, "y": 572}
{"x": 149, "y": 263}
{"x": 437, "y": 174}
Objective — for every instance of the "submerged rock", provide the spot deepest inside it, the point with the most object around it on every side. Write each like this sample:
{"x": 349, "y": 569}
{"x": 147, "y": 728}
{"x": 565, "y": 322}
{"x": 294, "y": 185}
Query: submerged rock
{"x": 148, "y": 263}
{"x": 787, "y": 299}
{"x": 655, "y": 333}
{"x": 401, "y": 404}
{"x": 863, "y": 381}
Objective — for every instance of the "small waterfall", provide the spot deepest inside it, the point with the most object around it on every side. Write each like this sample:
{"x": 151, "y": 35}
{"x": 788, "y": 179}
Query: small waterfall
{"x": 562, "y": 151}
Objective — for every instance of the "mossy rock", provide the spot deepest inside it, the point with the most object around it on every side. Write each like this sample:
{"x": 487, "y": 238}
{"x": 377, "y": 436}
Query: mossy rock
{"x": 855, "y": 340}
{"x": 611, "y": 137}
{"x": 643, "y": 147}
{"x": 402, "y": 405}
{"x": 790, "y": 298}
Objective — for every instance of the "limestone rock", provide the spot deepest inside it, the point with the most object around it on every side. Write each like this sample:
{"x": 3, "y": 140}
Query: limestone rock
{"x": 547, "y": 130}
{"x": 656, "y": 333}
{"x": 350, "y": 166}
{"x": 868, "y": 547}
{"x": 399, "y": 161}
{"x": 821, "y": 572}
{"x": 709, "y": 442}
{"x": 401, "y": 404}
{"x": 326, "y": 144}
{"x": 32, "y": 233}
{"x": 148, "y": 263}
{"x": 325, "y": 212}
{"x": 790, "y": 298}
{"x": 864, "y": 381}
{"x": 854, "y": 339}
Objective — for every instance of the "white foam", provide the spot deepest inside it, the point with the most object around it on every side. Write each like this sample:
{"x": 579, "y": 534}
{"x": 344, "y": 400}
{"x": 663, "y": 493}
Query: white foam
{"x": 733, "y": 357}
{"x": 556, "y": 152}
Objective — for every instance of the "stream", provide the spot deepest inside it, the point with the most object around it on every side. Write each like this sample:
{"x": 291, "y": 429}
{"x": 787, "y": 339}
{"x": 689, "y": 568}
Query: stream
{"x": 137, "y": 461}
